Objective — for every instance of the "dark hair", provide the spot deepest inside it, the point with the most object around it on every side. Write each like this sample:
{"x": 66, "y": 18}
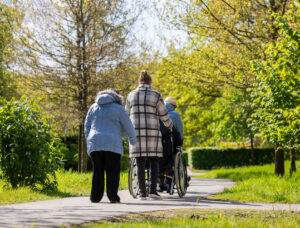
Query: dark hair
{"x": 145, "y": 78}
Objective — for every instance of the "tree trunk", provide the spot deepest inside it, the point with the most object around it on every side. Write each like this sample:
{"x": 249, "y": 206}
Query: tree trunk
{"x": 81, "y": 96}
{"x": 79, "y": 148}
{"x": 279, "y": 161}
{"x": 292, "y": 159}
{"x": 82, "y": 160}
{"x": 84, "y": 88}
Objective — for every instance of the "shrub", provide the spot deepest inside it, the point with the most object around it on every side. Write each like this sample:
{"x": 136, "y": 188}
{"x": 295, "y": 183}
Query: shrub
{"x": 29, "y": 150}
{"x": 208, "y": 158}
{"x": 70, "y": 154}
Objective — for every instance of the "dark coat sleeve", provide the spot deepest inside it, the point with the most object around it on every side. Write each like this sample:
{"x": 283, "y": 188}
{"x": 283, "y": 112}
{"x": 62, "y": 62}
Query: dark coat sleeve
{"x": 178, "y": 141}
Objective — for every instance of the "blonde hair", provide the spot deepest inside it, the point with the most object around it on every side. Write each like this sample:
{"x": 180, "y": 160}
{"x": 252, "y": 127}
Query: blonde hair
{"x": 145, "y": 78}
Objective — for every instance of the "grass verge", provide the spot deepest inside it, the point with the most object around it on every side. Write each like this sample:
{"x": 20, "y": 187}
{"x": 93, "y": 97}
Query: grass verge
{"x": 202, "y": 218}
{"x": 258, "y": 184}
{"x": 69, "y": 184}
{"x": 198, "y": 170}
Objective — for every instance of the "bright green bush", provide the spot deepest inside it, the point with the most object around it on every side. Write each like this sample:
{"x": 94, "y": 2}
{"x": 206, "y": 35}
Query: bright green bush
{"x": 208, "y": 158}
{"x": 29, "y": 151}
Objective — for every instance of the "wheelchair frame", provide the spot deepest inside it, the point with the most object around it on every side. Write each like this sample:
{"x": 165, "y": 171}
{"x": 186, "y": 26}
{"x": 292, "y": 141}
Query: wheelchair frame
{"x": 178, "y": 178}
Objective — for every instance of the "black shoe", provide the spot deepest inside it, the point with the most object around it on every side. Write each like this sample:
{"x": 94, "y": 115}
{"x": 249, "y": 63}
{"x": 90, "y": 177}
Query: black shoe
{"x": 154, "y": 195}
{"x": 95, "y": 199}
{"x": 115, "y": 201}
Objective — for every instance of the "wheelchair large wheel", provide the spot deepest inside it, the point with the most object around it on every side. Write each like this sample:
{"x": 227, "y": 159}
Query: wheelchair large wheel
{"x": 133, "y": 183}
{"x": 180, "y": 174}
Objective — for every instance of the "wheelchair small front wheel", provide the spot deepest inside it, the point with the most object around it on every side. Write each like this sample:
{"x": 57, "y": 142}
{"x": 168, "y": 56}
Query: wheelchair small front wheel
{"x": 180, "y": 174}
{"x": 133, "y": 183}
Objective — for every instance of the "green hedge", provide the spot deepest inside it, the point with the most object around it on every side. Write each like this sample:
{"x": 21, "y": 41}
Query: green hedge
{"x": 208, "y": 158}
{"x": 186, "y": 158}
{"x": 70, "y": 154}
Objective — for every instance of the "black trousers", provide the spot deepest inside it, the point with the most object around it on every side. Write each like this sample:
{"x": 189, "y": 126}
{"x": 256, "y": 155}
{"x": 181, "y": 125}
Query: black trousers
{"x": 141, "y": 165}
{"x": 110, "y": 163}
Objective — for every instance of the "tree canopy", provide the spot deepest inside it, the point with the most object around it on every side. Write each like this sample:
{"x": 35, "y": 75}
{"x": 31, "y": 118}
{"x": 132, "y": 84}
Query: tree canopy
{"x": 7, "y": 26}
{"x": 224, "y": 37}
{"x": 276, "y": 91}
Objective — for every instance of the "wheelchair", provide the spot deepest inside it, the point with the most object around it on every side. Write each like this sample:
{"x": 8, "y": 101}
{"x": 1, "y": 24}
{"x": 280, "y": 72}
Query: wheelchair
{"x": 171, "y": 178}
{"x": 174, "y": 176}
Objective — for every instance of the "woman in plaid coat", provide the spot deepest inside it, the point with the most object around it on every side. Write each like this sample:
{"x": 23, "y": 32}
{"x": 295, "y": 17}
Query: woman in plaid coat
{"x": 145, "y": 107}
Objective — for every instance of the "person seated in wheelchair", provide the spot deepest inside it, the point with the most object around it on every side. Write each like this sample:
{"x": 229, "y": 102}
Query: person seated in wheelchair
{"x": 170, "y": 104}
{"x": 172, "y": 141}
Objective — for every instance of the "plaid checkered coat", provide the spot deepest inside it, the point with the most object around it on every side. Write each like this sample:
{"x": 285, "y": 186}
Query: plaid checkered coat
{"x": 145, "y": 107}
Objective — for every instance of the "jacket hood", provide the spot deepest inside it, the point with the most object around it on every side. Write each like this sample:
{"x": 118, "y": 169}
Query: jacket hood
{"x": 169, "y": 107}
{"x": 108, "y": 96}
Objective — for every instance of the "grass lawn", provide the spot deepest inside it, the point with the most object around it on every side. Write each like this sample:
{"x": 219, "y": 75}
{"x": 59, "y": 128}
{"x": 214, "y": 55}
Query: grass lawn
{"x": 258, "y": 184}
{"x": 203, "y": 218}
{"x": 199, "y": 170}
{"x": 69, "y": 184}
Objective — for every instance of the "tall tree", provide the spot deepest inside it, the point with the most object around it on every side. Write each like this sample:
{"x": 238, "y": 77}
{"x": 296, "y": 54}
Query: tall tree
{"x": 224, "y": 35}
{"x": 277, "y": 89}
{"x": 70, "y": 45}
{"x": 7, "y": 25}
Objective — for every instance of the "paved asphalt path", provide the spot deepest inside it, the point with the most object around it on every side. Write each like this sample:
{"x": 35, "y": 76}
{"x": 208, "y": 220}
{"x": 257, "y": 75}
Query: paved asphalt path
{"x": 76, "y": 210}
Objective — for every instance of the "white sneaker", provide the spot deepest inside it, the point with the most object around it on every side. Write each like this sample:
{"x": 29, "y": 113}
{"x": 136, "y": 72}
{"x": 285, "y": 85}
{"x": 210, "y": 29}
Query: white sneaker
{"x": 155, "y": 195}
{"x": 142, "y": 197}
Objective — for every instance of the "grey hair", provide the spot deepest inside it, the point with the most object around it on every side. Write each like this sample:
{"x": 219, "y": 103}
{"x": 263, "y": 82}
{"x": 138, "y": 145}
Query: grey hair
{"x": 113, "y": 92}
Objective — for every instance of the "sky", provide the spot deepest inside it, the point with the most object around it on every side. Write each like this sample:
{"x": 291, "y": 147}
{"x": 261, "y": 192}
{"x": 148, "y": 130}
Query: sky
{"x": 6, "y": 1}
{"x": 156, "y": 34}
{"x": 149, "y": 29}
